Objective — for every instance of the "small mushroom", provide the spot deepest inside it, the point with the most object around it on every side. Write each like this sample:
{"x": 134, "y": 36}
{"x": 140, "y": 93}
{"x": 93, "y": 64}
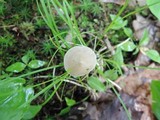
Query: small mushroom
{"x": 79, "y": 61}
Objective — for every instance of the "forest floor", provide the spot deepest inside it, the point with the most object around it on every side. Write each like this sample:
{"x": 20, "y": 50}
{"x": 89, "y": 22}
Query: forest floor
{"x": 34, "y": 37}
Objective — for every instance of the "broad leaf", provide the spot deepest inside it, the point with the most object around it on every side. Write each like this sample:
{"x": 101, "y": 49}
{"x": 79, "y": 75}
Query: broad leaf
{"x": 16, "y": 67}
{"x": 111, "y": 74}
{"x": 64, "y": 111}
{"x": 25, "y": 59}
{"x": 70, "y": 102}
{"x": 119, "y": 23}
{"x": 128, "y": 31}
{"x": 153, "y": 55}
{"x": 118, "y": 57}
{"x": 8, "y": 88}
{"x": 155, "y": 92}
{"x": 96, "y": 84}
{"x": 154, "y": 6}
{"x": 13, "y": 99}
{"x": 32, "y": 111}
{"x": 145, "y": 39}
{"x": 36, "y": 64}
{"x": 128, "y": 46}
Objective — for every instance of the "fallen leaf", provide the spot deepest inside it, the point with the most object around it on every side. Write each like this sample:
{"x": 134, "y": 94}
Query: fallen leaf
{"x": 138, "y": 85}
{"x": 105, "y": 110}
{"x": 131, "y": 82}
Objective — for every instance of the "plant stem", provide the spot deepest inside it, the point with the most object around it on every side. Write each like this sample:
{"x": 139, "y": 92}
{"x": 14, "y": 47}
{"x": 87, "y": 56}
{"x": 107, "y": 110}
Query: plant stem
{"x": 124, "y": 106}
{"x": 34, "y": 72}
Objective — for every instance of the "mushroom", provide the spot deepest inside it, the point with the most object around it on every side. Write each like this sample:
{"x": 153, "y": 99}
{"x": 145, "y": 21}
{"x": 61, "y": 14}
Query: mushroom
{"x": 79, "y": 61}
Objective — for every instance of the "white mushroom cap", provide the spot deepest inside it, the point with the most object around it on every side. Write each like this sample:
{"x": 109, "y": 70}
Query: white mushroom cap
{"x": 79, "y": 61}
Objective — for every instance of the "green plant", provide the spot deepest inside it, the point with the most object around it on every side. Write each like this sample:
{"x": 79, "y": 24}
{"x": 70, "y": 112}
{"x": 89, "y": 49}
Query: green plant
{"x": 27, "y": 28}
{"x": 70, "y": 103}
{"x": 7, "y": 41}
{"x": 85, "y": 5}
{"x": 155, "y": 92}
{"x": 60, "y": 18}
{"x": 25, "y": 13}
{"x": 13, "y": 109}
{"x": 65, "y": 12}
{"x": 39, "y": 22}
{"x": 90, "y": 7}
{"x": 153, "y": 6}
{"x": 31, "y": 54}
{"x": 47, "y": 47}
{"x": 96, "y": 9}
{"x": 18, "y": 105}
{"x": 84, "y": 21}
{"x": 2, "y": 7}
{"x": 20, "y": 66}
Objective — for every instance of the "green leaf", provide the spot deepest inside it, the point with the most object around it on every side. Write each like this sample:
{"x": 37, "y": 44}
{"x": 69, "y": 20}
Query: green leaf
{"x": 118, "y": 57}
{"x": 96, "y": 84}
{"x": 8, "y": 88}
{"x": 153, "y": 55}
{"x": 136, "y": 51}
{"x": 3, "y": 76}
{"x": 9, "y": 114}
{"x": 12, "y": 96}
{"x": 25, "y": 59}
{"x": 119, "y": 23}
{"x": 154, "y": 6}
{"x": 111, "y": 74}
{"x": 16, "y": 67}
{"x": 65, "y": 111}
{"x": 32, "y": 111}
{"x": 128, "y": 46}
{"x": 145, "y": 39}
{"x": 155, "y": 92}
{"x": 36, "y": 64}
{"x": 128, "y": 31}
{"x": 70, "y": 102}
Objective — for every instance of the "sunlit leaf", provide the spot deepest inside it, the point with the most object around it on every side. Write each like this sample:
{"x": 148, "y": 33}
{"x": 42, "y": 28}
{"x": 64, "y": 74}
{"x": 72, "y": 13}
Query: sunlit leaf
{"x": 96, "y": 84}
{"x": 154, "y": 6}
{"x": 9, "y": 89}
{"x": 14, "y": 98}
{"x": 70, "y": 102}
{"x": 153, "y": 55}
{"x": 25, "y": 59}
{"x": 128, "y": 46}
{"x": 16, "y": 67}
{"x": 36, "y": 63}
{"x": 128, "y": 31}
{"x": 119, "y": 23}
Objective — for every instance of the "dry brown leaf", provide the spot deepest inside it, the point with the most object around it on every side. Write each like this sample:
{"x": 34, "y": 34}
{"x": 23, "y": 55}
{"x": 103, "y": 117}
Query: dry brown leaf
{"x": 105, "y": 110}
{"x": 139, "y": 25}
{"x": 138, "y": 85}
{"x": 143, "y": 101}
{"x": 131, "y": 83}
